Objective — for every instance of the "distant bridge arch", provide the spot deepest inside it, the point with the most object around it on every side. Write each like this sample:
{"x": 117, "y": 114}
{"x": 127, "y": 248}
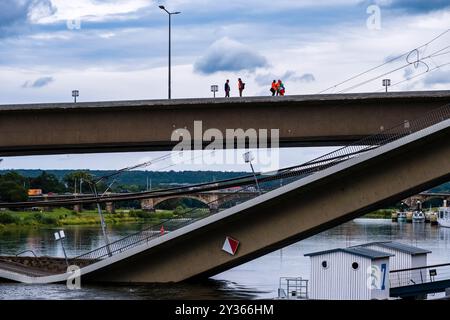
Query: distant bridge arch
{"x": 214, "y": 200}
{"x": 425, "y": 197}
{"x": 158, "y": 201}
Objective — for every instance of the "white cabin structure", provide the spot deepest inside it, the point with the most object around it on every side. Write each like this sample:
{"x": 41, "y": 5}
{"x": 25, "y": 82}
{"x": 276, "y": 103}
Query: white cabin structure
{"x": 355, "y": 273}
{"x": 404, "y": 256}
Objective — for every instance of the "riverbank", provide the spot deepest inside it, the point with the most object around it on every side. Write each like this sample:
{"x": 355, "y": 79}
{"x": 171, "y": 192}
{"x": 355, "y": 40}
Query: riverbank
{"x": 379, "y": 214}
{"x": 66, "y": 217}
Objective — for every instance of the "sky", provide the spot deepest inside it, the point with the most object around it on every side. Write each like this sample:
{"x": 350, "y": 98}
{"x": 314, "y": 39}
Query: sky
{"x": 117, "y": 50}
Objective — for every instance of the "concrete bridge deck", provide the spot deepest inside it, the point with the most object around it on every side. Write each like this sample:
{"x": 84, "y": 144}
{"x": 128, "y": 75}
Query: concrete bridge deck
{"x": 278, "y": 218}
{"x": 310, "y": 120}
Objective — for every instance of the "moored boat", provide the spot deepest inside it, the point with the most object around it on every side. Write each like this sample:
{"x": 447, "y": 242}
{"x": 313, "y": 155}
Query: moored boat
{"x": 444, "y": 217}
{"x": 418, "y": 217}
{"x": 401, "y": 216}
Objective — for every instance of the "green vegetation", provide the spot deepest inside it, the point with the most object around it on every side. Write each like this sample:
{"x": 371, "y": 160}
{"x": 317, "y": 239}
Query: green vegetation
{"x": 12, "y": 187}
{"x": 62, "y": 216}
{"x": 132, "y": 180}
{"x": 380, "y": 214}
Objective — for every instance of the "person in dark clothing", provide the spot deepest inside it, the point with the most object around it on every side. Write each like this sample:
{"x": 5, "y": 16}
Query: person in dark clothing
{"x": 241, "y": 87}
{"x": 227, "y": 89}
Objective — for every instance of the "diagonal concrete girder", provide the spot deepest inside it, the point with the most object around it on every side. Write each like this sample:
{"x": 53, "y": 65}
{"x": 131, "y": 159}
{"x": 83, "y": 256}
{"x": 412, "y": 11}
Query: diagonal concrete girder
{"x": 291, "y": 214}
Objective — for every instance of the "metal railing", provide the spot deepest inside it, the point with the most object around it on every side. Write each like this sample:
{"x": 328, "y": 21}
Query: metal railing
{"x": 419, "y": 275}
{"x": 25, "y": 251}
{"x": 267, "y": 181}
{"x": 293, "y": 288}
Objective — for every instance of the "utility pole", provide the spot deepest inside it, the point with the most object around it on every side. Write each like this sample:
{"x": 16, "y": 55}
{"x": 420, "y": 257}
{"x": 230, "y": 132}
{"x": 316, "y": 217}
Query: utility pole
{"x": 102, "y": 221}
{"x": 214, "y": 89}
{"x": 75, "y": 94}
{"x": 386, "y": 83}
{"x": 248, "y": 157}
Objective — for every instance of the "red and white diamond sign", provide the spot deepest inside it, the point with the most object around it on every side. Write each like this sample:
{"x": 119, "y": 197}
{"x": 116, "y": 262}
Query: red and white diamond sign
{"x": 230, "y": 245}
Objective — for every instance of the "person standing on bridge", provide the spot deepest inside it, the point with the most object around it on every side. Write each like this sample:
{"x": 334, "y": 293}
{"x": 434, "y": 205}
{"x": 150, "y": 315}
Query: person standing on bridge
{"x": 241, "y": 86}
{"x": 227, "y": 89}
{"x": 274, "y": 88}
{"x": 281, "y": 89}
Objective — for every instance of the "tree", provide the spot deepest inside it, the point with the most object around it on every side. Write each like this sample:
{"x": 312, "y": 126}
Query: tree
{"x": 12, "y": 188}
{"x": 47, "y": 182}
{"x": 73, "y": 180}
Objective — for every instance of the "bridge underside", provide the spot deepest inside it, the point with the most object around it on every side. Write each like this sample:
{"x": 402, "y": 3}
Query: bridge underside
{"x": 317, "y": 120}
{"x": 420, "y": 290}
{"x": 291, "y": 216}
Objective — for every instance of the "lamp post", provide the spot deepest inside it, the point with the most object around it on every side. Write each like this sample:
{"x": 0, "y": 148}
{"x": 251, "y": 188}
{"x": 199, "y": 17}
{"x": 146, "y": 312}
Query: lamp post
{"x": 214, "y": 89}
{"x": 75, "y": 94}
{"x": 248, "y": 157}
{"x": 59, "y": 236}
{"x": 386, "y": 83}
{"x": 170, "y": 47}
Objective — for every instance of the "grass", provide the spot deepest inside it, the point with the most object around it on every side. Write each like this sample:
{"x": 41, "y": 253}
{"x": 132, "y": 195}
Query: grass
{"x": 65, "y": 217}
{"x": 380, "y": 214}
{"x": 62, "y": 216}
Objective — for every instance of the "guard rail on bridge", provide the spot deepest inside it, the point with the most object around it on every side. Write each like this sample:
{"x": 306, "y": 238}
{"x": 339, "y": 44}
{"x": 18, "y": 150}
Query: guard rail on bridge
{"x": 420, "y": 281}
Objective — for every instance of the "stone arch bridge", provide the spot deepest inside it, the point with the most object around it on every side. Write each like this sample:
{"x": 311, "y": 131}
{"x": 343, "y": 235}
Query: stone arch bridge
{"x": 213, "y": 199}
{"x": 425, "y": 196}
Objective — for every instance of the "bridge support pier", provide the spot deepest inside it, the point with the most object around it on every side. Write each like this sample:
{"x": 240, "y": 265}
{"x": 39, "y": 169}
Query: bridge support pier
{"x": 46, "y": 209}
{"x": 78, "y": 208}
{"x": 110, "y": 207}
{"x": 213, "y": 207}
{"x": 148, "y": 205}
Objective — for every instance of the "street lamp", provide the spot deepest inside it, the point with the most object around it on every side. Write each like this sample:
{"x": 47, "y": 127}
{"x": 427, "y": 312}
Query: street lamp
{"x": 214, "y": 89}
{"x": 75, "y": 94}
{"x": 248, "y": 157}
{"x": 170, "y": 47}
{"x": 386, "y": 83}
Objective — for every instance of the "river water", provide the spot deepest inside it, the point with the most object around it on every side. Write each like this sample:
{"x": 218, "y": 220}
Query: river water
{"x": 257, "y": 279}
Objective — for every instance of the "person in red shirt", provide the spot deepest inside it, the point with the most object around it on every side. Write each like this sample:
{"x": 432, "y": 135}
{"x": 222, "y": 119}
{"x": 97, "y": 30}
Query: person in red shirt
{"x": 241, "y": 86}
{"x": 274, "y": 88}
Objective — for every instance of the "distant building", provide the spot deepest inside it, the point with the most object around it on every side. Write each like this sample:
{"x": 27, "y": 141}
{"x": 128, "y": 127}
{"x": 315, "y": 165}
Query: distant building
{"x": 34, "y": 192}
{"x": 349, "y": 274}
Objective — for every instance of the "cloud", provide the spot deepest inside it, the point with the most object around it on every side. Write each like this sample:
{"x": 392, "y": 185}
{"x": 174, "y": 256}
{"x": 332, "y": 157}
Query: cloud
{"x": 99, "y": 10}
{"x": 12, "y": 14}
{"x": 439, "y": 77}
{"x": 40, "y": 9}
{"x": 289, "y": 75}
{"x": 16, "y": 15}
{"x": 39, "y": 83}
{"x": 229, "y": 55}
{"x": 408, "y": 72}
{"x": 413, "y": 6}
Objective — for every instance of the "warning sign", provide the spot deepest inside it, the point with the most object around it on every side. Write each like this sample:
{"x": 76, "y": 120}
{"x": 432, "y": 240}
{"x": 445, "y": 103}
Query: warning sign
{"x": 230, "y": 245}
